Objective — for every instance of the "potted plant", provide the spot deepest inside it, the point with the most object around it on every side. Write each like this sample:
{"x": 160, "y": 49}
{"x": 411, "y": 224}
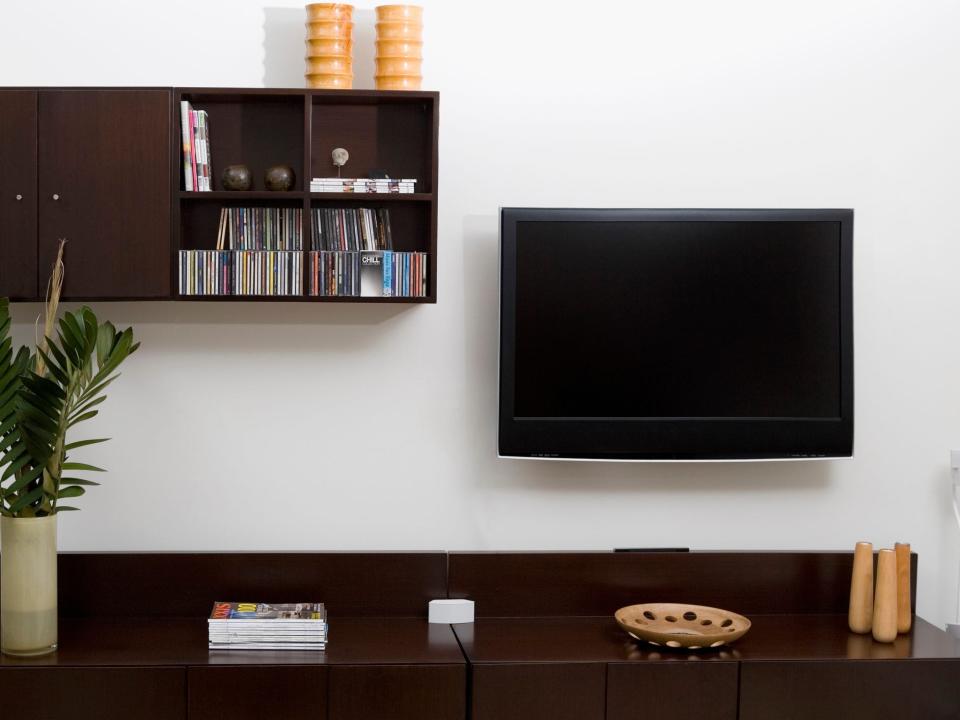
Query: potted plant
{"x": 43, "y": 395}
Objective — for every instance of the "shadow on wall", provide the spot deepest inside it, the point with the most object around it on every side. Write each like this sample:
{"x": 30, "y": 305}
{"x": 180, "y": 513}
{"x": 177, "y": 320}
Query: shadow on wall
{"x": 284, "y": 33}
{"x": 481, "y": 303}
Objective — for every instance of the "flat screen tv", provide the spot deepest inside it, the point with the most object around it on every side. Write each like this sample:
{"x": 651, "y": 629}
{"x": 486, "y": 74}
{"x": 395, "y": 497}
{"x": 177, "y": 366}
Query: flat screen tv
{"x": 676, "y": 334}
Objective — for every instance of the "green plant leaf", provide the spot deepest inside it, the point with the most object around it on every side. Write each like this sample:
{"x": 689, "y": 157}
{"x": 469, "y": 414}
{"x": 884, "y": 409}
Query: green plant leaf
{"x": 81, "y": 466}
{"x": 29, "y": 477}
{"x": 71, "y": 491}
{"x": 81, "y": 418}
{"x": 77, "y": 481}
{"x": 65, "y": 508}
{"x": 83, "y": 443}
{"x": 25, "y": 500}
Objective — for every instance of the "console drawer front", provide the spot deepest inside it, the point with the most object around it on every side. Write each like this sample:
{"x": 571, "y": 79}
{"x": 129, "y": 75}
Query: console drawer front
{"x": 398, "y": 692}
{"x": 530, "y": 691}
{"x": 73, "y": 693}
{"x": 850, "y": 690}
{"x": 291, "y": 692}
{"x": 672, "y": 690}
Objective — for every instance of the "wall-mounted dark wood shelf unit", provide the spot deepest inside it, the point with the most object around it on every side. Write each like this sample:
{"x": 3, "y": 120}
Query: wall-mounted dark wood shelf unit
{"x": 392, "y": 131}
{"x": 102, "y": 167}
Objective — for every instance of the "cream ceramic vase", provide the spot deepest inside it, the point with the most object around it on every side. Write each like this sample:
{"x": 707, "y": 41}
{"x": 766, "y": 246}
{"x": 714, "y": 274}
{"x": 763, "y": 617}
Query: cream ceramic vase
{"x": 28, "y": 585}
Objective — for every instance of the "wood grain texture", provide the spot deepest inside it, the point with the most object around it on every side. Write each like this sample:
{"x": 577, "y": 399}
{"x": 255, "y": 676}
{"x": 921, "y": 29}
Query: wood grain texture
{"x": 93, "y": 693}
{"x": 596, "y": 583}
{"x": 904, "y": 606}
{"x": 526, "y": 691}
{"x": 351, "y": 584}
{"x": 153, "y": 642}
{"x": 18, "y": 194}
{"x": 672, "y": 691}
{"x": 861, "y": 589}
{"x": 885, "y": 598}
{"x": 772, "y": 637}
{"x": 853, "y": 690}
{"x": 105, "y": 155}
{"x": 257, "y": 693}
{"x": 398, "y": 692}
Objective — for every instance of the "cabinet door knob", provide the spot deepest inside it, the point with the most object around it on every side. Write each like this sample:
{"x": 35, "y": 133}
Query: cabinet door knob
{"x": 56, "y": 196}
{"x": 19, "y": 196}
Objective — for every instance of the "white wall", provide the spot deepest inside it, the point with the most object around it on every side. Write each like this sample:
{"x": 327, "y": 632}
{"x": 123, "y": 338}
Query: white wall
{"x": 256, "y": 427}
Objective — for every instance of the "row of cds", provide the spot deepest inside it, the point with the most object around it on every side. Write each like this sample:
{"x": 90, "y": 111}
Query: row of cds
{"x": 260, "y": 228}
{"x": 351, "y": 229}
{"x": 240, "y": 272}
{"x": 335, "y": 273}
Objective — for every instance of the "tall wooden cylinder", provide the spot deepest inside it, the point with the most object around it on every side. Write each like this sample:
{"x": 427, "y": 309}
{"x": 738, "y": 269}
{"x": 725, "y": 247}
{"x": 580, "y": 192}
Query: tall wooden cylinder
{"x": 904, "y": 609}
{"x": 885, "y": 598}
{"x": 860, "y": 617}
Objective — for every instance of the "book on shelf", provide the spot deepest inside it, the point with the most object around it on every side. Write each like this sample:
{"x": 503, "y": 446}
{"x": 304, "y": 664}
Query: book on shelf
{"x": 195, "y": 139}
{"x": 370, "y": 273}
{"x": 264, "y": 626}
{"x": 364, "y": 185}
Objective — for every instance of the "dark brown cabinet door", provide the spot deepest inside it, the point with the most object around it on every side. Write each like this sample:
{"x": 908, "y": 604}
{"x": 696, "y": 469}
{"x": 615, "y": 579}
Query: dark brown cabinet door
{"x": 287, "y": 692}
{"x": 672, "y": 690}
{"x": 104, "y": 182}
{"x": 18, "y": 194}
{"x": 398, "y": 692}
{"x": 531, "y": 691}
{"x": 93, "y": 693}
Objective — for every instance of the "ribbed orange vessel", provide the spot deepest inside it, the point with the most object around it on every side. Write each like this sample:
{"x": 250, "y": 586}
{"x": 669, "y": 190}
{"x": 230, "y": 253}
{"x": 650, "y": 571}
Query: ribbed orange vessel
{"x": 399, "y": 47}
{"x": 329, "y": 58}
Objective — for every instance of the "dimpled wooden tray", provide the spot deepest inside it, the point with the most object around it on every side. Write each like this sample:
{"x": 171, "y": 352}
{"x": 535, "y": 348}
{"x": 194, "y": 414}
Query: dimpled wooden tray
{"x": 676, "y": 625}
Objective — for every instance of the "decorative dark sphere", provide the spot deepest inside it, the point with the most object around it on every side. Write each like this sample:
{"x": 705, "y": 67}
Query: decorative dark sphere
{"x": 236, "y": 177}
{"x": 279, "y": 177}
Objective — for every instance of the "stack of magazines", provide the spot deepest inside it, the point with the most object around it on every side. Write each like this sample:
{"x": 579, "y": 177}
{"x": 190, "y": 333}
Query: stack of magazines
{"x": 260, "y": 626}
{"x": 403, "y": 186}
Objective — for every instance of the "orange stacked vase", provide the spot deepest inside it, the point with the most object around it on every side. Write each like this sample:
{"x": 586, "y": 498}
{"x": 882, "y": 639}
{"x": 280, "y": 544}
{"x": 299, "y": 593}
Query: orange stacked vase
{"x": 399, "y": 47}
{"x": 329, "y": 45}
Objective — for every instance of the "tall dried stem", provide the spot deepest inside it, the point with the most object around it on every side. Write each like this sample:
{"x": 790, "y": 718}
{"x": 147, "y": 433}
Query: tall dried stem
{"x": 54, "y": 288}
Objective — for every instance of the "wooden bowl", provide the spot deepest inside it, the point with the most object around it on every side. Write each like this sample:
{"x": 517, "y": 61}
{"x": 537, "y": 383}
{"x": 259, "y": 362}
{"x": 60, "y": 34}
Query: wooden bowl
{"x": 329, "y": 46}
{"x": 399, "y": 31}
{"x": 404, "y": 13}
{"x": 398, "y": 82}
{"x": 399, "y": 48}
{"x": 324, "y": 30}
{"x": 329, "y": 11}
{"x": 329, "y": 65}
{"x": 676, "y": 625}
{"x": 329, "y": 81}
{"x": 398, "y": 66}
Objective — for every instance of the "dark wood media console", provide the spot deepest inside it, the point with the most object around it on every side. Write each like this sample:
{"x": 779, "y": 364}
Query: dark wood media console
{"x": 544, "y": 645}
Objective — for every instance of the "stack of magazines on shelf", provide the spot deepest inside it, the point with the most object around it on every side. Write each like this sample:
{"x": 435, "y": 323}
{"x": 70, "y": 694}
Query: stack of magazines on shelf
{"x": 260, "y": 626}
{"x": 352, "y": 256}
{"x": 195, "y": 137}
{"x": 258, "y": 252}
{"x": 363, "y": 185}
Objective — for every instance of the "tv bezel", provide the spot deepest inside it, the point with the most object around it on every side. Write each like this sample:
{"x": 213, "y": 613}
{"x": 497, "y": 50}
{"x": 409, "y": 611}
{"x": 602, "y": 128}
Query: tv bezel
{"x": 672, "y": 439}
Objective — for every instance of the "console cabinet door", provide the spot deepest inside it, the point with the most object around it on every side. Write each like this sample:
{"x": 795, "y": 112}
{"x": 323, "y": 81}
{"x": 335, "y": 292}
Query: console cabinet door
{"x": 850, "y": 690}
{"x": 76, "y": 693}
{"x": 104, "y": 164}
{"x": 704, "y": 689}
{"x": 398, "y": 692}
{"x": 533, "y": 691}
{"x": 18, "y": 194}
{"x": 279, "y": 692}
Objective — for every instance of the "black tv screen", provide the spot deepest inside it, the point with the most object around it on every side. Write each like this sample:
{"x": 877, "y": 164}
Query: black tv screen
{"x": 676, "y": 334}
